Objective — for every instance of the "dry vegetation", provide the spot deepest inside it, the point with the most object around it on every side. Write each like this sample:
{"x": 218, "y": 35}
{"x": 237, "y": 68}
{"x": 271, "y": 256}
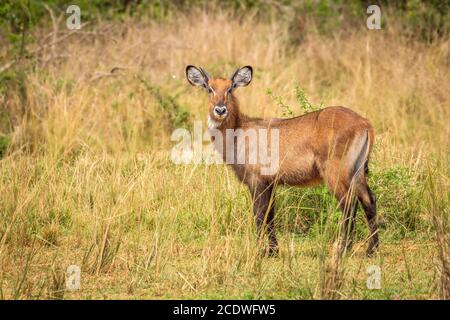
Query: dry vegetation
{"x": 87, "y": 178}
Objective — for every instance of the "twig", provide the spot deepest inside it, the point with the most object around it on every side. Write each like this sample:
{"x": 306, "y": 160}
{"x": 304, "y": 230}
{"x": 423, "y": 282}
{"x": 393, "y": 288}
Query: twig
{"x": 187, "y": 282}
{"x": 9, "y": 64}
{"x": 55, "y": 57}
{"x": 55, "y": 25}
{"x": 112, "y": 73}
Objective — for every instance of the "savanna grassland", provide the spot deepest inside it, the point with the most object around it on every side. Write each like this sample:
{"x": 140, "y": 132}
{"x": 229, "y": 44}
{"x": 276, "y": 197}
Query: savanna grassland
{"x": 86, "y": 177}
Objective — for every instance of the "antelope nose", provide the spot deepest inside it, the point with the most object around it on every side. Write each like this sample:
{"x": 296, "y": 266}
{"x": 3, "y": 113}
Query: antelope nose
{"x": 220, "y": 111}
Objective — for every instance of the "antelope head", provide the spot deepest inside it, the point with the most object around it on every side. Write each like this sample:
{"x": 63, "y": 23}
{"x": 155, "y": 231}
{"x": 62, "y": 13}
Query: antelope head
{"x": 222, "y": 103}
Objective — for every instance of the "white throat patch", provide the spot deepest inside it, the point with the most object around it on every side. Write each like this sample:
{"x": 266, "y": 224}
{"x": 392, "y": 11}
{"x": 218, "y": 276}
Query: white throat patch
{"x": 212, "y": 124}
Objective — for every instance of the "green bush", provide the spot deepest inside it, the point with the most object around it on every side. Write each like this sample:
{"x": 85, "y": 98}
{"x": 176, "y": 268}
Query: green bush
{"x": 399, "y": 192}
{"x": 4, "y": 142}
{"x": 304, "y": 104}
{"x": 306, "y": 211}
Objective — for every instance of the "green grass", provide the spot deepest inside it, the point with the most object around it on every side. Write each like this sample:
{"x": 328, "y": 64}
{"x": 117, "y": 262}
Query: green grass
{"x": 142, "y": 232}
{"x": 86, "y": 177}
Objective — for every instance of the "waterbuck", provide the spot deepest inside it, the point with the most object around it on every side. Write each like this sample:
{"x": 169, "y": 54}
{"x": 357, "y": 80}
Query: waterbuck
{"x": 329, "y": 146}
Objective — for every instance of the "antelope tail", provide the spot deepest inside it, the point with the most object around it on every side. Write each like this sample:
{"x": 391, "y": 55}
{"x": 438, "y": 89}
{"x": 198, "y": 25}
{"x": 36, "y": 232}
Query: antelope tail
{"x": 357, "y": 154}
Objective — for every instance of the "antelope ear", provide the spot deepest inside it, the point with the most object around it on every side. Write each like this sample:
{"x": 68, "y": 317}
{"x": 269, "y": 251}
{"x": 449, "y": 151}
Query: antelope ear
{"x": 197, "y": 76}
{"x": 242, "y": 77}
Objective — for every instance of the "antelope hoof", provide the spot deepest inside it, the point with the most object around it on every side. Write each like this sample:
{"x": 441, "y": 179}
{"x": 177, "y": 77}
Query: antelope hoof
{"x": 371, "y": 250}
{"x": 271, "y": 252}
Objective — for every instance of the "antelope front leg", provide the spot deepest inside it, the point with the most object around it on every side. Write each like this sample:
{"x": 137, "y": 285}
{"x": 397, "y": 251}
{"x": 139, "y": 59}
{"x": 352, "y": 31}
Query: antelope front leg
{"x": 264, "y": 211}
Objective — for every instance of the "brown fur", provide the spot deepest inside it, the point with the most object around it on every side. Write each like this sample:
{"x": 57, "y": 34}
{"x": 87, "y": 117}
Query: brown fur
{"x": 314, "y": 148}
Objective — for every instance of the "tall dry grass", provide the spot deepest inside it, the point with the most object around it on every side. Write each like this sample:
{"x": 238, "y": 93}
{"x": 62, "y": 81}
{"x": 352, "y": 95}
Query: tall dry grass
{"x": 88, "y": 181}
